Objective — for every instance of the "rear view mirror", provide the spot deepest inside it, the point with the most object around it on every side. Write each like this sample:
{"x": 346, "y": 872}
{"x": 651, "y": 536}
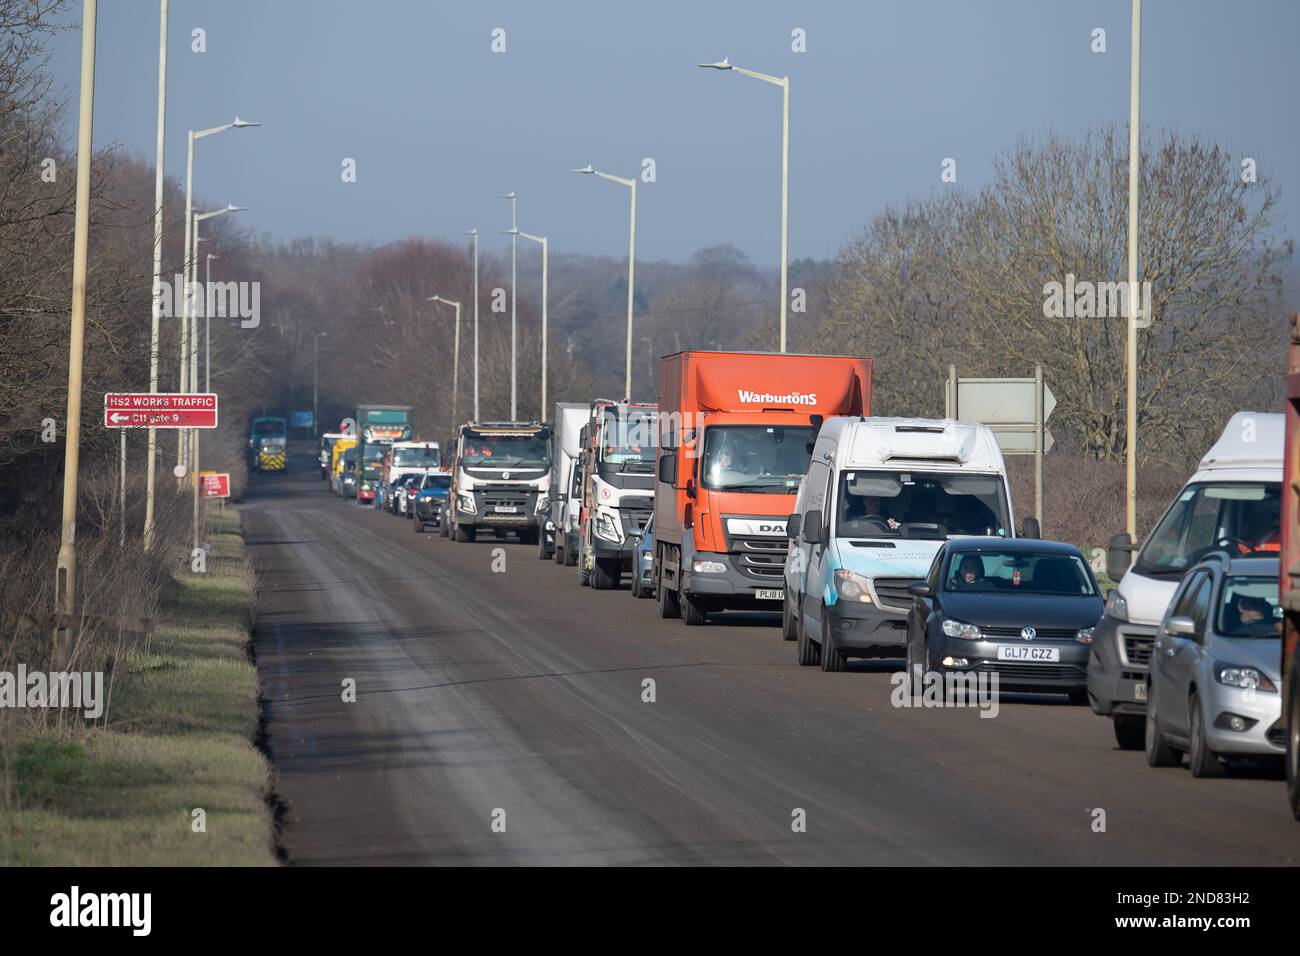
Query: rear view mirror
{"x": 1183, "y": 626}
{"x": 1118, "y": 556}
{"x": 1031, "y": 529}
{"x": 792, "y": 526}
{"x": 920, "y": 589}
{"x": 812, "y": 527}
{"x": 668, "y": 469}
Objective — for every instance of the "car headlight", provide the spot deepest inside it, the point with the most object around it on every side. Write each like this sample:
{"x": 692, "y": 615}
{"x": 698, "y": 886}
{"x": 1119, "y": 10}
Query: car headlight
{"x": 968, "y": 632}
{"x": 852, "y": 586}
{"x": 465, "y": 503}
{"x": 708, "y": 567}
{"x": 1247, "y": 678}
{"x": 1116, "y": 606}
{"x": 606, "y": 527}
{"x": 1084, "y": 636}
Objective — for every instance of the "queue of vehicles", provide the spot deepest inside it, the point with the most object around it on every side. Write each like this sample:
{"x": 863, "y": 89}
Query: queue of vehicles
{"x": 761, "y": 481}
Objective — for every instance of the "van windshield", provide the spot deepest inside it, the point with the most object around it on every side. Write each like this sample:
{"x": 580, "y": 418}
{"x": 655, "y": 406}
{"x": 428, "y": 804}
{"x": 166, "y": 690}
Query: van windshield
{"x": 760, "y": 459}
{"x": 918, "y": 504}
{"x": 417, "y": 457}
{"x": 1239, "y": 517}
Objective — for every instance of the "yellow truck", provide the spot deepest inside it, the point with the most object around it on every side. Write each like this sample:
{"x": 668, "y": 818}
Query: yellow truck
{"x": 341, "y": 445}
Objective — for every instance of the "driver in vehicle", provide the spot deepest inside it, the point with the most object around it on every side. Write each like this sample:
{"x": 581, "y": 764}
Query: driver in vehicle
{"x": 970, "y": 573}
{"x": 870, "y": 508}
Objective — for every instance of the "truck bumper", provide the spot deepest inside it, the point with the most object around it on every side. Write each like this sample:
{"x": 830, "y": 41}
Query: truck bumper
{"x": 732, "y": 588}
{"x": 489, "y": 517}
{"x": 609, "y": 551}
{"x": 1117, "y": 667}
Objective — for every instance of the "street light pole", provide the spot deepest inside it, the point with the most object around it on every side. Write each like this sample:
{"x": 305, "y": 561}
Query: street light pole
{"x": 474, "y": 234}
{"x": 455, "y": 356}
{"x": 631, "y": 268}
{"x": 158, "y": 184}
{"x": 315, "y": 365}
{"x": 65, "y": 580}
{"x": 514, "y": 352}
{"x": 784, "y": 83}
{"x": 207, "y": 326}
{"x": 1130, "y": 506}
{"x": 541, "y": 240}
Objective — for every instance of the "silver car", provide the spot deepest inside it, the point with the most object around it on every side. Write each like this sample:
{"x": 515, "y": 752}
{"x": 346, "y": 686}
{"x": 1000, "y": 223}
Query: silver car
{"x": 1215, "y": 668}
{"x": 643, "y": 561}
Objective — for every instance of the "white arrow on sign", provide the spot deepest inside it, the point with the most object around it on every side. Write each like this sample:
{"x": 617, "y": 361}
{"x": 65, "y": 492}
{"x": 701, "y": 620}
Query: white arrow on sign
{"x": 1049, "y": 403}
{"x": 115, "y": 418}
{"x": 1048, "y": 440}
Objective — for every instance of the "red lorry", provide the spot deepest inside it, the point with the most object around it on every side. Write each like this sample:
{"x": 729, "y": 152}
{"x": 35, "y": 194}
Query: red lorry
{"x": 1289, "y": 572}
{"x": 736, "y": 431}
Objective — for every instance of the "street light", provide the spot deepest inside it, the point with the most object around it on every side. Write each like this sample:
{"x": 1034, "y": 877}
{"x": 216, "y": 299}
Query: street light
{"x": 194, "y": 349}
{"x": 315, "y": 363}
{"x": 207, "y": 325}
{"x": 158, "y": 183}
{"x": 514, "y": 353}
{"x": 631, "y": 266}
{"x": 455, "y": 357}
{"x": 784, "y": 83}
{"x": 542, "y": 241}
{"x": 1131, "y": 349}
{"x": 473, "y": 234}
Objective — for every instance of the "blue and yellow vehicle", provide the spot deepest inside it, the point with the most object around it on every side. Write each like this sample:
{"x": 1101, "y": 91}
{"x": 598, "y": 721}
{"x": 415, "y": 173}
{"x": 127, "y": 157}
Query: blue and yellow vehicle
{"x": 268, "y": 440}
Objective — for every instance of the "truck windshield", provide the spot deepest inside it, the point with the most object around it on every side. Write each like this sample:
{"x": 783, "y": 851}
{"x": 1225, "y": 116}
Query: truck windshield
{"x": 915, "y": 504}
{"x": 1239, "y": 517}
{"x": 1249, "y": 608}
{"x": 266, "y": 428}
{"x": 415, "y": 458}
{"x": 628, "y": 441}
{"x": 502, "y": 451}
{"x": 761, "y": 459}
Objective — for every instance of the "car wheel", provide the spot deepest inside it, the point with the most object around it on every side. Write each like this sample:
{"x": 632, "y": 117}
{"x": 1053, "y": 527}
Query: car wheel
{"x": 915, "y": 670}
{"x": 418, "y": 525}
{"x": 1205, "y": 762}
{"x": 806, "y": 652}
{"x": 695, "y": 610}
{"x": 1130, "y": 731}
{"x": 442, "y": 527}
{"x": 788, "y": 631}
{"x": 637, "y": 590}
{"x": 1159, "y": 753}
{"x": 832, "y": 658}
{"x": 570, "y": 556}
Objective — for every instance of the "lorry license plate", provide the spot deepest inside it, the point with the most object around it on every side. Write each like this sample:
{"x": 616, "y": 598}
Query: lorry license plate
{"x": 1022, "y": 652}
{"x": 771, "y": 594}
{"x": 506, "y": 509}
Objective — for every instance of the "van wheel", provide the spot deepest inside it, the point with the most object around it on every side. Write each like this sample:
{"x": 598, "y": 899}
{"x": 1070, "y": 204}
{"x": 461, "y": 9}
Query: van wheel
{"x": 695, "y": 610}
{"x": 1130, "y": 731}
{"x": 806, "y": 652}
{"x": 557, "y": 552}
{"x": 670, "y": 604}
{"x": 584, "y": 574}
{"x": 1205, "y": 762}
{"x": 419, "y": 526}
{"x": 605, "y": 574}
{"x": 570, "y": 556}
{"x": 442, "y": 528}
{"x": 542, "y": 553}
{"x": 788, "y": 630}
{"x": 1159, "y": 753}
{"x": 832, "y": 658}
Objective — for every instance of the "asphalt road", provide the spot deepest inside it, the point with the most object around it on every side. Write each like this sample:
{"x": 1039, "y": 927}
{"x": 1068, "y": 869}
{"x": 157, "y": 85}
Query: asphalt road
{"x": 515, "y": 697}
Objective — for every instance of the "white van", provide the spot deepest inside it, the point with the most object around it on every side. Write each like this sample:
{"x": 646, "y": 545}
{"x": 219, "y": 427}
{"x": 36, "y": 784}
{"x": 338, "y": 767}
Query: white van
{"x": 880, "y": 497}
{"x": 1232, "y": 503}
{"x": 559, "y": 532}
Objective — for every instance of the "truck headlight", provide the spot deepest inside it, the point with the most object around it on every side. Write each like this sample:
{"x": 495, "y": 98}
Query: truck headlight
{"x": 1116, "y": 606}
{"x": 852, "y": 586}
{"x": 465, "y": 503}
{"x": 1247, "y": 678}
{"x": 708, "y": 567}
{"x": 606, "y": 527}
{"x": 967, "y": 632}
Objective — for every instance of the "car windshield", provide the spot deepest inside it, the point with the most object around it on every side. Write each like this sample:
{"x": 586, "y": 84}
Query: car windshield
{"x": 505, "y": 451}
{"x": 436, "y": 481}
{"x": 1020, "y": 572}
{"x": 415, "y": 458}
{"x": 1239, "y": 517}
{"x": 628, "y": 441}
{"x": 915, "y": 504}
{"x": 764, "y": 459}
{"x": 1249, "y": 607}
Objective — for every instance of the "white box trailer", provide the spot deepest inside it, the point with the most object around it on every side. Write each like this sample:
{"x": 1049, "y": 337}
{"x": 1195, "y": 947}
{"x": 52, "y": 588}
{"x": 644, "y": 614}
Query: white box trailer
{"x": 559, "y": 534}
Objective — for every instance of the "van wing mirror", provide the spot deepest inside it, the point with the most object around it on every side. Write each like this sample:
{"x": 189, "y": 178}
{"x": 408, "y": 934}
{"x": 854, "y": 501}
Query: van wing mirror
{"x": 668, "y": 469}
{"x": 792, "y": 526}
{"x": 1119, "y": 555}
{"x": 1031, "y": 528}
{"x": 812, "y": 527}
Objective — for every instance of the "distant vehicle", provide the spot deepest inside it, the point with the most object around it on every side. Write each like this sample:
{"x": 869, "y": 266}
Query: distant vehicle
{"x": 501, "y": 478}
{"x": 1289, "y": 575}
{"x": 348, "y": 477}
{"x": 880, "y": 498}
{"x": 643, "y": 560}
{"x": 564, "y": 499}
{"x": 618, "y": 467}
{"x": 378, "y": 427}
{"x": 736, "y": 430}
{"x": 1232, "y": 502}
{"x": 404, "y": 458}
{"x": 1020, "y": 608}
{"x": 338, "y": 451}
{"x": 389, "y": 494}
{"x": 405, "y": 494}
{"x": 429, "y": 499}
{"x": 1214, "y": 680}
{"x": 326, "y": 457}
{"x": 268, "y": 440}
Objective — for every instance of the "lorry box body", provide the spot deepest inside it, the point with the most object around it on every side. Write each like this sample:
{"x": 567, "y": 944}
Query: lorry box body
{"x": 1289, "y": 572}
{"x": 564, "y": 500}
{"x": 500, "y": 480}
{"x": 378, "y": 426}
{"x": 619, "y": 458}
{"x": 736, "y": 431}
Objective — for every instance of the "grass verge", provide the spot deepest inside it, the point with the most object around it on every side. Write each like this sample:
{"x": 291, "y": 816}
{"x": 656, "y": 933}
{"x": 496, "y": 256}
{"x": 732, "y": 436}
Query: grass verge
{"x": 178, "y": 737}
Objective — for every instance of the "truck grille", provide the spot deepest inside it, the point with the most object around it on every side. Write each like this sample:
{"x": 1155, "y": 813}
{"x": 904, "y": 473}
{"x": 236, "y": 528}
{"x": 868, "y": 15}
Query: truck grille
{"x": 491, "y": 499}
{"x": 633, "y": 513}
{"x": 891, "y": 593}
{"x": 761, "y": 558}
{"x": 1137, "y": 649}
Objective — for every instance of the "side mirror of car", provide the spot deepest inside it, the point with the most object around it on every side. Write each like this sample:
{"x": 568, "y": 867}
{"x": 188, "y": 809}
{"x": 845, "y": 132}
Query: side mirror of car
{"x": 1031, "y": 529}
{"x": 920, "y": 589}
{"x": 668, "y": 469}
{"x": 1182, "y": 626}
{"x": 792, "y": 526}
{"x": 812, "y": 527}
{"x": 1119, "y": 556}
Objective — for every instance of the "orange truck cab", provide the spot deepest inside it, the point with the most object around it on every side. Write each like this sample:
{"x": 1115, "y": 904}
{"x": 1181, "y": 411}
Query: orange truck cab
{"x": 1289, "y": 571}
{"x": 736, "y": 431}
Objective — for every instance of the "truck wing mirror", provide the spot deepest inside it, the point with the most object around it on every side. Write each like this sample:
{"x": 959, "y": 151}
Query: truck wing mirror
{"x": 690, "y": 487}
{"x": 812, "y": 527}
{"x": 668, "y": 469}
{"x": 1031, "y": 528}
{"x": 792, "y": 526}
{"x": 1119, "y": 556}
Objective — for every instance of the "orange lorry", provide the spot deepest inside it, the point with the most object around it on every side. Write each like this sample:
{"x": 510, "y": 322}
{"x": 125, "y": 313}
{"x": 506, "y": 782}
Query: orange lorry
{"x": 736, "y": 431}
{"x": 1289, "y": 571}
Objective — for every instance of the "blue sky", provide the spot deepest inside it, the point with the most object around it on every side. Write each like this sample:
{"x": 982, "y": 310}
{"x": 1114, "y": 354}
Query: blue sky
{"x": 440, "y": 126}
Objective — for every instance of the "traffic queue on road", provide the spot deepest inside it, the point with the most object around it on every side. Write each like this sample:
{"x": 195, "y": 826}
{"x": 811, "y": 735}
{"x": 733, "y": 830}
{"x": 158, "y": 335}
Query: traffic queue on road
{"x": 762, "y": 482}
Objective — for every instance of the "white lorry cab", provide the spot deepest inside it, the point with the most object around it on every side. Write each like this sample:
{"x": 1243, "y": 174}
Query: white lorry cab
{"x": 1233, "y": 503}
{"x": 880, "y": 498}
{"x": 559, "y": 534}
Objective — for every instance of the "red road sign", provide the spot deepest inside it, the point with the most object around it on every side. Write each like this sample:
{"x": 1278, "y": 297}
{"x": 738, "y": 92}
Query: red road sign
{"x": 215, "y": 484}
{"x": 164, "y": 410}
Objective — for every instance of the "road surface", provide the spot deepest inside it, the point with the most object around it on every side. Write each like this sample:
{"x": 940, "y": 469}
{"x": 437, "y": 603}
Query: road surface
{"x": 499, "y": 719}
